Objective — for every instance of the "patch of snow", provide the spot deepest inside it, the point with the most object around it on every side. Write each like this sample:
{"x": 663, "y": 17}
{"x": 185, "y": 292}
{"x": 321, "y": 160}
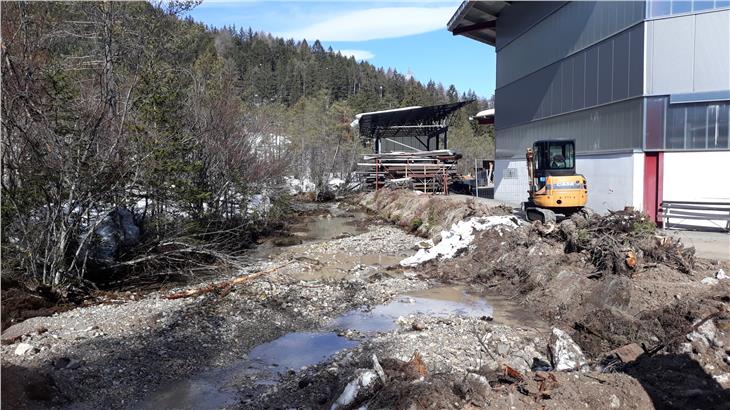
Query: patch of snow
{"x": 363, "y": 380}
{"x": 335, "y": 182}
{"x": 721, "y": 275}
{"x": 459, "y": 237}
{"x": 258, "y": 204}
{"x": 297, "y": 186}
{"x": 709, "y": 281}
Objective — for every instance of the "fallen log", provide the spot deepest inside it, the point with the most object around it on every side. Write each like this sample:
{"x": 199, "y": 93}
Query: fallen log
{"x": 223, "y": 286}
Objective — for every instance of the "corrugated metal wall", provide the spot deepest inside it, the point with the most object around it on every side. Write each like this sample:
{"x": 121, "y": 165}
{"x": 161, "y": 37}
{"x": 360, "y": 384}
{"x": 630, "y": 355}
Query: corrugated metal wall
{"x": 571, "y": 28}
{"x": 689, "y": 53}
{"x": 613, "y": 127}
{"x": 520, "y": 16}
{"x": 609, "y": 71}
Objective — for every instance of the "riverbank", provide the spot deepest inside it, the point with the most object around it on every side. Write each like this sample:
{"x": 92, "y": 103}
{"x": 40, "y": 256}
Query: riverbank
{"x": 453, "y": 333}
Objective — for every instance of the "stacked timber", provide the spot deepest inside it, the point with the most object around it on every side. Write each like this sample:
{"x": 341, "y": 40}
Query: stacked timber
{"x": 427, "y": 171}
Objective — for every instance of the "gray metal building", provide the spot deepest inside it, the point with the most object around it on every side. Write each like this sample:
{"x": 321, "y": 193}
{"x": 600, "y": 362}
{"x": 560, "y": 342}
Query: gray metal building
{"x": 643, "y": 87}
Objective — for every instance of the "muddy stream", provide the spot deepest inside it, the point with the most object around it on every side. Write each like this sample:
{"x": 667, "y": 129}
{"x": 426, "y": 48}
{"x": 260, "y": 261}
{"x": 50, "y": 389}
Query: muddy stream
{"x": 292, "y": 352}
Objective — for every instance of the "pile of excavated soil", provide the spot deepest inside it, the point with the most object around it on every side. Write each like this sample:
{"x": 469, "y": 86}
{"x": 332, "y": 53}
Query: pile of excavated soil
{"x": 652, "y": 292}
{"x": 425, "y": 215}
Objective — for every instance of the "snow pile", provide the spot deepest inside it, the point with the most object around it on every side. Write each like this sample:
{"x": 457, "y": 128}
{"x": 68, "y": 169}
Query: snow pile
{"x": 297, "y": 186}
{"x": 258, "y": 204}
{"x": 335, "y": 183}
{"x": 459, "y": 237}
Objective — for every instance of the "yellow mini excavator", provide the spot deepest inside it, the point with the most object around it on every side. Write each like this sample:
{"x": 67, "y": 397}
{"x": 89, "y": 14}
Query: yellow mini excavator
{"x": 555, "y": 189}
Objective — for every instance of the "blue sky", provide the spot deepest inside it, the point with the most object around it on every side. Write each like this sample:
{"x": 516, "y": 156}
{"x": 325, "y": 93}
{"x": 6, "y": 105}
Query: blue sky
{"x": 406, "y": 35}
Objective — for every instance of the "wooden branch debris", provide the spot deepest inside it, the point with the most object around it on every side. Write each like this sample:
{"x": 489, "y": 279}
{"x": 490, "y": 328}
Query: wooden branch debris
{"x": 223, "y": 287}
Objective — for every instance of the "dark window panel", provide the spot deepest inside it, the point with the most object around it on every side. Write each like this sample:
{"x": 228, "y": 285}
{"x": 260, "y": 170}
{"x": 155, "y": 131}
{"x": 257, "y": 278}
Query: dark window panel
{"x": 636, "y": 61}
{"x": 605, "y": 72}
{"x": 592, "y": 77}
{"x": 697, "y": 126}
{"x": 723, "y": 126}
{"x": 655, "y": 122}
{"x": 579, "y": 67}
{"x": 621, "y": 49}
{"x": 675, "y": 128}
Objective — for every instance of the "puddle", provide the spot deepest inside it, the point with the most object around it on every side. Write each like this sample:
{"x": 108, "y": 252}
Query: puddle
{"x": 294, "y": 350}
{"x": 338, "y": 265}
{"x": 191, "y": 394}
{"x": 325, "y": 227}
{"x": 315, "y": 229}
{"x": 438, "y": 302}
{"x": 214, "y": 388}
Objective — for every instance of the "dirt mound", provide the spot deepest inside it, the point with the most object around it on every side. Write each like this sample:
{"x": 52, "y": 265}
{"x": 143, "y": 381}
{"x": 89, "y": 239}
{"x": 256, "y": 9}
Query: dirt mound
{"x": 425, "y": 215}
{"x": 612, "y": 281}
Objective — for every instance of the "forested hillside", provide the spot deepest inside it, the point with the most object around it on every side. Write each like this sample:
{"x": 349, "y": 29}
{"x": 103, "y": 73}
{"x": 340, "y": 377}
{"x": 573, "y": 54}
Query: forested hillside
{"x": 126, "y": 105}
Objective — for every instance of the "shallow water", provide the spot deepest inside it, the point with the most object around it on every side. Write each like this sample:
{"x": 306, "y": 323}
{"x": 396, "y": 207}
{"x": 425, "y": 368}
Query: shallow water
{"x": 267, "y": 361}
{"x": 436, "y": 302}
{"x": 215, "y": 388}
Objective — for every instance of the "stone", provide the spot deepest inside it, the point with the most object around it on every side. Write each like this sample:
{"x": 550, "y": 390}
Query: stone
{"x": 24, "y": 348}
{"x": 417, "y": 325}
{"x": 709, "y": 281}
{"x": 628, "y": 353}
{"x": 614, "y": 402}
{"x": 721, "y": 275}
{"x": 708, "y": 331}
{"x": 502, "y": 348}
{"x": 565, "y": 354}
{"x": 15, "y": 332}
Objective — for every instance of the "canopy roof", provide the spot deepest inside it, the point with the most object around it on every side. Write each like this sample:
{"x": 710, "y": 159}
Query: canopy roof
{"x": 477, "y": 20}
{"x": 409, "y": 121}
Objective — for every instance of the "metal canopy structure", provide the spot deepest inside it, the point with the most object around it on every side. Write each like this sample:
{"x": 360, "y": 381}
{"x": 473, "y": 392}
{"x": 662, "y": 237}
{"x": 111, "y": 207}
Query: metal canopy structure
{"x": 477, "y": 20}
{"x": 411, "y": 128}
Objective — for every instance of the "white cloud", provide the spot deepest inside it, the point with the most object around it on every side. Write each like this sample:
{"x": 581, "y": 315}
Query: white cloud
{"x": 375, "y": 23}
{"x": 358, "y": 54}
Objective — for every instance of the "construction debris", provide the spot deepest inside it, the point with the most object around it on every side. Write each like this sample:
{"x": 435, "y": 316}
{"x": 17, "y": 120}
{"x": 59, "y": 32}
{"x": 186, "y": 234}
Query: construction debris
{"x": 426, "y": 171}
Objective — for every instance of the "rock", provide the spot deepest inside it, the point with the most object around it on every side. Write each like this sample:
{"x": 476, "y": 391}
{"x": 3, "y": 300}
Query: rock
{"x": 502, "y": 349}
{"x": 564, "y": 353}
{"x": 708, "y": 331}
{"x": 356, "y": 389}
{"x": 627, "y": 353}
{"x": 417, "y": 325}
{"x": 15, "y": 332}
{"x": 24, "y": 348}
{"x": 539, "y": 365}
{"x": 721, "y": 275}
{"x": 614, "y": 402}
{"x": 61, "y": 363}
{"x": 478, "y": 383}
{"x": 710, "y": 281}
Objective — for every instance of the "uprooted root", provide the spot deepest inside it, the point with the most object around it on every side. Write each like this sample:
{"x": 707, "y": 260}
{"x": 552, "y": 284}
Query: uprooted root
{"x": 620, "y": 241}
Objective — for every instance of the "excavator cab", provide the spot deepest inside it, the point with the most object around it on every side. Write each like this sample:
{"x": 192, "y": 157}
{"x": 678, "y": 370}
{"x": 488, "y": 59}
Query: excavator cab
{"x": 556, "y": 190}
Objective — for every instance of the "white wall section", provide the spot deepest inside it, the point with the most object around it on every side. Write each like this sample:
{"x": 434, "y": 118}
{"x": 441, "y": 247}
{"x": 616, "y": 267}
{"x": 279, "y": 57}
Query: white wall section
{"x": 688, "y": 53}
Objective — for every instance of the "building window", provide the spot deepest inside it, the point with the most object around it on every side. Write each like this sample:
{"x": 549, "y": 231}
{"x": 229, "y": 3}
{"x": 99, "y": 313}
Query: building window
{"x": 696, "y": 126}
{"x": 655, "y": 107}
{"x": 660, "y": 8}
